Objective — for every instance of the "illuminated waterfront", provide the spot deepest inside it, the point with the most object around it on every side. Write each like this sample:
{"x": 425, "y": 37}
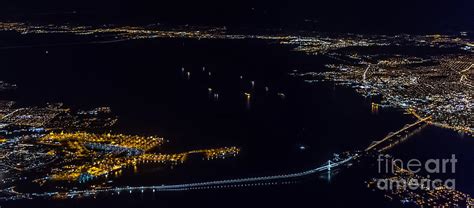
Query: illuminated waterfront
{"x": 267, "y": 114}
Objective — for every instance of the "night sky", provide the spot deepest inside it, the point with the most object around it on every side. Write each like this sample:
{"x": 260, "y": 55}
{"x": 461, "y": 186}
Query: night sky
{"x": 340, "y": 15}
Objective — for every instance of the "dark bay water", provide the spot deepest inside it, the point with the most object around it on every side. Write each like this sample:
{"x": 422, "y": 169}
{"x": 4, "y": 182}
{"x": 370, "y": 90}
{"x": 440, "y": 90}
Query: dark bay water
{"x": 143, "y": 83}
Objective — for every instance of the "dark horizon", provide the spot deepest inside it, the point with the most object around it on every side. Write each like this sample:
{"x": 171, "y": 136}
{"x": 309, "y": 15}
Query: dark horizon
{"x": 339, "y": 15}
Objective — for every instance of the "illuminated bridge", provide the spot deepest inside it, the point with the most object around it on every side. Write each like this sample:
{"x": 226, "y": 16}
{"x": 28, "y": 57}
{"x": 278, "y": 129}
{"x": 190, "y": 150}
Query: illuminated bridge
{"x": 231, "y": 183}
{"x": 228, "y": 183}
{"x": 390, "y": 137}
